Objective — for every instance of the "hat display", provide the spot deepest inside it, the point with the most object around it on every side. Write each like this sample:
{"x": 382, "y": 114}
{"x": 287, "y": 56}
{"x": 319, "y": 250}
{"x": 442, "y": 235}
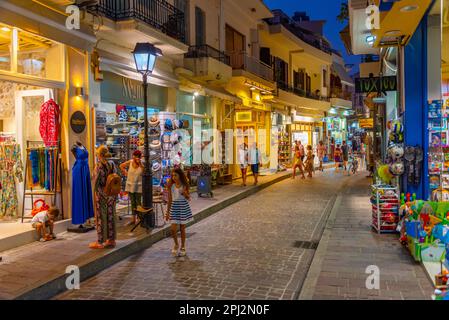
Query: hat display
{"x": 123, "y": 116}
{"x": 155, "y": 130}
{"x": 155, "y": 144}
{"x": 156, "y": 166}
{"x": 154, "y": 121}
{"x": 168, "y": 124}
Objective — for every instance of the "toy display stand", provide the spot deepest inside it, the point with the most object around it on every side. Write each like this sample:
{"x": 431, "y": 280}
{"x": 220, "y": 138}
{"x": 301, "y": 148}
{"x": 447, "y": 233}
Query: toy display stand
{"x": 385, "y": 205}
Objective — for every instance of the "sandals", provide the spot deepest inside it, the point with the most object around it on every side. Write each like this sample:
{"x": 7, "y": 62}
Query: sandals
{"x": 182, "y": 252}
{"x": 174, "y": 252}
{"x": 96, "y": 245}
{"x": 110, "y": 244}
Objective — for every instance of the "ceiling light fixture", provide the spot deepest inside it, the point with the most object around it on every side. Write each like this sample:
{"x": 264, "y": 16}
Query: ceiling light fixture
{"x": 370, "y": 39}
{"x": 5, "y": 29}
{"x": 393, "y": 33}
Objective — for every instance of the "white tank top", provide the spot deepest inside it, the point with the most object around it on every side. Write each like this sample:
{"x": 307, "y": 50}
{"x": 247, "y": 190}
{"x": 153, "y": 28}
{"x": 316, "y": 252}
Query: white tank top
{"x": 176, "y": 193}
{"x": 134, "y": 180}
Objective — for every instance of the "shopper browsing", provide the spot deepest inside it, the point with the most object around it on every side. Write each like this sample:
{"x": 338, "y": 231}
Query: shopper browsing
{"x": 338, "y": 157}
{"x": 179, "y": 212}
{"x": 44, "y": 220}
{"x": 243, "y": 161}
{"x": 297, "y": 161}
{"x": 255, "y": 160}
{"x": 133, "y": 170}
{"x": 321, "y": 152}
{"x": 309, "y": 161}
{"x": 345, "y": 153}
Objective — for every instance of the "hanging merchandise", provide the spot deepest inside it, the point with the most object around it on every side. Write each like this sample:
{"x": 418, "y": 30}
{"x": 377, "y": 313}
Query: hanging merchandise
{"x": 82, "y": 201}
{"x": 49, "y": 123}
{"x": 409, "y": 156}
{"x": 42, "y": 169}
{"x": 11, "y": 170}
{"x": 419, "y": 157}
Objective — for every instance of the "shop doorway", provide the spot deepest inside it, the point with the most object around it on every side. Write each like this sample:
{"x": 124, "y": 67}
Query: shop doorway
{"x": 28, "y": 104}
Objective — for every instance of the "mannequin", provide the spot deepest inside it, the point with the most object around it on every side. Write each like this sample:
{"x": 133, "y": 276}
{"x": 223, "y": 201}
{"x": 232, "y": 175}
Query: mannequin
{"x": 82, "y": 200}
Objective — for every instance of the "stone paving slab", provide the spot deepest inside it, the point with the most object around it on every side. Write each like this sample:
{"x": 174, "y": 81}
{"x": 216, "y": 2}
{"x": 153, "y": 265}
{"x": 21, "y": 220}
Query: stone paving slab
{"x": 245, "y": 251}
{"x": 349, "y": 246}
{"x": 37, "y": 270}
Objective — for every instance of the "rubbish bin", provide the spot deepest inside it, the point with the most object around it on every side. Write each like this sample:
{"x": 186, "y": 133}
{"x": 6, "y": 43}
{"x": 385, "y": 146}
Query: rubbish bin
{"x": 204, "y": 186}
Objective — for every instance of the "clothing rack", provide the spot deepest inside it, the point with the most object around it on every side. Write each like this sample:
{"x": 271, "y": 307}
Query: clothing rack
{"x": 54, "y": 189}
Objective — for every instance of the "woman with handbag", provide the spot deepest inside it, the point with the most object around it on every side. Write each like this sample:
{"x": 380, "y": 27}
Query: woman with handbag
{"x": 297, "y": 161}
{"x": 106, "y": 189}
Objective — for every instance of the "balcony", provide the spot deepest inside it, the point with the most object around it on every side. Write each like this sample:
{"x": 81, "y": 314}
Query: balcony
{"x": 341, "y": 94}
{"x": 206, "y": 51}
{"x": 208, "y": 64}
{"x": 241, "y": 61}
{"x": 299, "y": 92}
{"x": 158, "y": 14}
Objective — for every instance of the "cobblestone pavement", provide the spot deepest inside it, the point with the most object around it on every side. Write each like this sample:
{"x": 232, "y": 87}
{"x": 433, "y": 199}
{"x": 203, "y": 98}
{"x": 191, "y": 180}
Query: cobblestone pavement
{"x": 252, "y": 250}
{"x": 246, "y": 251}
{"x": 350, "y": 246}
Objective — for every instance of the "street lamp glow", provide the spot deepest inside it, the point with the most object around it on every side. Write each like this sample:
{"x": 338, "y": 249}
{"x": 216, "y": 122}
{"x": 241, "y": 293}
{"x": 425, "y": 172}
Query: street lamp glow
{"x": 145, "y": 55}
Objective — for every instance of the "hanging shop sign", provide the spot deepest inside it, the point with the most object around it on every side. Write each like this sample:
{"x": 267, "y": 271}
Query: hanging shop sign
{"x": 376, "y": 84}
{"x": 366, "y": 123}
{"x": 78, "y": 122}
{"x": 244, "y": 116}
{"x": 121, "y": 90}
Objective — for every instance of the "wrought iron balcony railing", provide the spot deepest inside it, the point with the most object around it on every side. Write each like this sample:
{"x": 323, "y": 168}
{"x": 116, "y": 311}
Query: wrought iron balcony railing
{"x": 300, "y": 92}
{"x": 206, "y": 51}
{"x": 241, "y": 61}
{"x": 159, "y": 14}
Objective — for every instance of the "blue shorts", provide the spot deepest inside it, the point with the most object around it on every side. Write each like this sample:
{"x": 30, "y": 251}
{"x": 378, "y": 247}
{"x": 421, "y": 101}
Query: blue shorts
{"x": 255, "y": 168}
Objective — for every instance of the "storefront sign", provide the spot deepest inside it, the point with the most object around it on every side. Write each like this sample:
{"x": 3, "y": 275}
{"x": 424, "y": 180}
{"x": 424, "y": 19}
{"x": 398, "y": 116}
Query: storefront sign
{"x": 78, "y": 122}
{"x": 376, "y": 84}
{"x": 120, "y": 90}
{"x": 366, "y": 123}
{"x": 244, "y": 116}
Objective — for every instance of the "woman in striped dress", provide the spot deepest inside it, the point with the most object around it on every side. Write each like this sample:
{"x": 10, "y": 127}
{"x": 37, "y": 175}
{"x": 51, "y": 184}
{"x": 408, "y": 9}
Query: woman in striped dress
{"x": 179, "y": 211}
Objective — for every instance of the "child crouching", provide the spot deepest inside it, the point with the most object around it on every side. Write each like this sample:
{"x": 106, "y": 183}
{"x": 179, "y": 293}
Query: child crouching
{"x": 44, "y": 220}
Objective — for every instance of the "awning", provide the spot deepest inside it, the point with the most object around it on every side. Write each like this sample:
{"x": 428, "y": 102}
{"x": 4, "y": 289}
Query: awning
{"x": 34, "y": 18}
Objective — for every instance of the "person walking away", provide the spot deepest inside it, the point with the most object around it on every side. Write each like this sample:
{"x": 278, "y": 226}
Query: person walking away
{"x": 104, "y": 203}
{"x": 179, "y": 212}
{"x": 302, "y": 151}
{"x": 297, "y": 162}
{"x": 332, "y": 148}
{"x": 321, "y": 152}
{"x": 243, "y": 161}
{"x": 337, "y": 157}
{"x": 309, "y": 161}
{"x": 345, "y": 153}
{"x": 255, "y": 161}
{"x": 133, "y": 170}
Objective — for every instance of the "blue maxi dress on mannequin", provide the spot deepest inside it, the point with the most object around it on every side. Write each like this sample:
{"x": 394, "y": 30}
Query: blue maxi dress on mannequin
{"x": 82, "y": 200}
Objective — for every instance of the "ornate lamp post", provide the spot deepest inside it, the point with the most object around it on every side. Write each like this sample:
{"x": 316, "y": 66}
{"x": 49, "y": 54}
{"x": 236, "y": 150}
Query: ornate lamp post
{"x": 145, "y": 55}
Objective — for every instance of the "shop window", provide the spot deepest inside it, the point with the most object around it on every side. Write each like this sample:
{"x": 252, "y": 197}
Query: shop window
{"x": 5, "y": 47}
{"x": 39, "y": 57}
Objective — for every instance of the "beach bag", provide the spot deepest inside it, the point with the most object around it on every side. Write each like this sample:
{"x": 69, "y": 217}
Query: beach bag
{"x": 113, "y": 185}
{"x": 39, "y": 206}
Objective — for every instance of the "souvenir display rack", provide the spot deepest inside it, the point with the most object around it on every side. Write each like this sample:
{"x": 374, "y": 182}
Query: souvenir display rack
{"x": 385, "y": 208}
{"x": 438, "y": 154}
{"x": 52, "y": 172}
{"x": 284, "y": 150}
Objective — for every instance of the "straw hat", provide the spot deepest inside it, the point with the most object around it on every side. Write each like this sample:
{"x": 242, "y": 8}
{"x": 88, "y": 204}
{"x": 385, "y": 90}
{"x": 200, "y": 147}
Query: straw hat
{"x": 154, "y": 121}
{"x": 103, "y": 152}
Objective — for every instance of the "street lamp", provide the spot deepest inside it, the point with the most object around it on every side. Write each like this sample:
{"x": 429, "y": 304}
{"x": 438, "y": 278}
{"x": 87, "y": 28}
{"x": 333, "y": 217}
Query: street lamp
{"x": 145, "y": 55}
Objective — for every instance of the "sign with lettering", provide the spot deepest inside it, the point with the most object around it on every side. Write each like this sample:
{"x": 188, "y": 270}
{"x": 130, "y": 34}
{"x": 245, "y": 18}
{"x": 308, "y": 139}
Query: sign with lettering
{"x": 366, "y": 123}
{"x": 78, "y": 122}
{"x": 376, "y": 84}
{"x": 121, "y": 90}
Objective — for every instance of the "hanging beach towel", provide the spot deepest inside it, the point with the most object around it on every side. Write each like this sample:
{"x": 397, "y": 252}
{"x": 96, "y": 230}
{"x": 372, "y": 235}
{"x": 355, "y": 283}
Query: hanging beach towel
{"x": 49, "y": 123}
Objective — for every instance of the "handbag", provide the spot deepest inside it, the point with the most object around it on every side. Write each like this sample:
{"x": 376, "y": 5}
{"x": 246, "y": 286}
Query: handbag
{"x": 39, "y": 206}
{"x": 113, "y": 185}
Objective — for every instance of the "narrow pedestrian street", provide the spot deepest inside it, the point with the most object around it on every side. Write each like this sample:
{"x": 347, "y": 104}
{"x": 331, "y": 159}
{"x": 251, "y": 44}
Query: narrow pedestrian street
{"x": 262, "y": 247}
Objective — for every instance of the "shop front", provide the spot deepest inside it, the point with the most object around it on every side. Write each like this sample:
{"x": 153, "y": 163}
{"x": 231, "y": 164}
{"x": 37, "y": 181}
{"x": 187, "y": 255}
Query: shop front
{"x": 281, "y": 140}
{"x": 38, "y": 81}
{"x": 336, "y": 131}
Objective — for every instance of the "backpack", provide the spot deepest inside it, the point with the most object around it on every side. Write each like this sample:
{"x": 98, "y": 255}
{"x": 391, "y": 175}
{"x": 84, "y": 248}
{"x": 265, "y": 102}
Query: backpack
{"x": 113, "y": 184}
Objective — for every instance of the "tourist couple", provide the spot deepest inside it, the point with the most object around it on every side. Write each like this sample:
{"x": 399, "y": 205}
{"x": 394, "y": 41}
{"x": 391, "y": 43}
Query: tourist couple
{"x": 250, "y": 156}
